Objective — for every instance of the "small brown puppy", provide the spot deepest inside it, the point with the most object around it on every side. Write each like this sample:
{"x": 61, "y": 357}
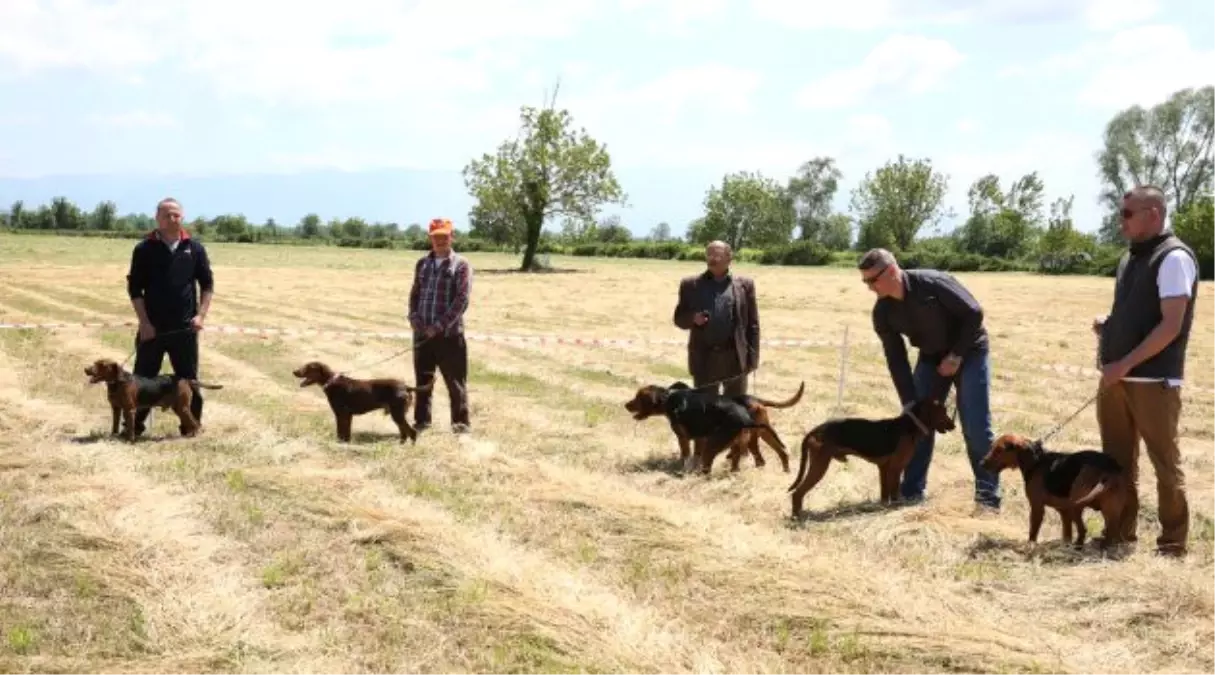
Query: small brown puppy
{"x": 1066, "y": 482}
{"x": 886, "y": 443}
{"x": 128, "y": 392}
{"x": 349, "y": 397}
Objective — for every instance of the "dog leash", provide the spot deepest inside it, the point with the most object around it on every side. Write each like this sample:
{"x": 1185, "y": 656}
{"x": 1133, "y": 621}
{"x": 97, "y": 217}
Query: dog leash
{"x": 412, "y": 348}
{"x": 154, "y": 338}
{"x": 711, "y": 385}
{"x": 1059, "y": 427}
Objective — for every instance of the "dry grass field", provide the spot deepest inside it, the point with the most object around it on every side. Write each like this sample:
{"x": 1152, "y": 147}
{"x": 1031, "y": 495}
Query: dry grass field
{"x": 557, "y": 537}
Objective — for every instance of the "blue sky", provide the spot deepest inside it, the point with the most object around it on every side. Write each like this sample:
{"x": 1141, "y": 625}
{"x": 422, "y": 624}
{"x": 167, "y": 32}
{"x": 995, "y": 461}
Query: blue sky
{"x": 249, "y": 106}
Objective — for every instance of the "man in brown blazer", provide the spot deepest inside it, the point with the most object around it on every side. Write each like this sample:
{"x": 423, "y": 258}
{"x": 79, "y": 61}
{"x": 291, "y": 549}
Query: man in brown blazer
{"x": 718, "y": 309}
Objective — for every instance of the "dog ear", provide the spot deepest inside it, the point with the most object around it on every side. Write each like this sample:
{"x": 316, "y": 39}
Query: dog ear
{"x": 679, "y": 385}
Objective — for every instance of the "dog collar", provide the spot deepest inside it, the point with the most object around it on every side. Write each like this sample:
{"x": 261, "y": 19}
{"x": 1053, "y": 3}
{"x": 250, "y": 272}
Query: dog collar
{"x": 923, "y": 427}
{"x": 331, "y": 380}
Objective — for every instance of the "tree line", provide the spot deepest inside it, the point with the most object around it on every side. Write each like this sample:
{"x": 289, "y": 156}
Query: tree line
{"x": 552, "y": 173}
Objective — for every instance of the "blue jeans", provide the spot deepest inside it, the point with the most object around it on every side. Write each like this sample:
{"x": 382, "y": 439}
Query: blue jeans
{"x": 973, "y": 381}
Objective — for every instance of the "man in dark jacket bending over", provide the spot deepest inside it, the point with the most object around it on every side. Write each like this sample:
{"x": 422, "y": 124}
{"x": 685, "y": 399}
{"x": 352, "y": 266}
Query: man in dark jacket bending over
{"x": 942, "y": 319}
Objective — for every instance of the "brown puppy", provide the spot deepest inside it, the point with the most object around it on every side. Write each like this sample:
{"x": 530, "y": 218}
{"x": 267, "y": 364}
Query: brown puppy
{"x": 128, "y": 392}
{"x": 1066, "y": 482}
{"x": 887, "y": 443}
{"x": 349, "y": 397}
{"x": 695, "y": 415}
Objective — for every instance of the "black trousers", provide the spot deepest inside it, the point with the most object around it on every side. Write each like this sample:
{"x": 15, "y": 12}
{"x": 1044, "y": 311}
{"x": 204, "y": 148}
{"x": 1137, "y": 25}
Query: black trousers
{"x": 449, "y": 354}
{"x": 182, "y": 349}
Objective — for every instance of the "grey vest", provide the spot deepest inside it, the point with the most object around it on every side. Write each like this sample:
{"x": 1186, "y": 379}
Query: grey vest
{"x": 1136, "y": 309}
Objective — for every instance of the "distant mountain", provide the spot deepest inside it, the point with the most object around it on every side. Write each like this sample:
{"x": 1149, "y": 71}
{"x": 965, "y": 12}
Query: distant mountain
{"x": 403, "y": 196}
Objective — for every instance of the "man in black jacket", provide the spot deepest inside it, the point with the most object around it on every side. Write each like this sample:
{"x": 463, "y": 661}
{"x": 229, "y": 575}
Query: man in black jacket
{"x": 1142, "y": 352}
{"x": 942, "y": 319}
{"x": 168, "y": 270}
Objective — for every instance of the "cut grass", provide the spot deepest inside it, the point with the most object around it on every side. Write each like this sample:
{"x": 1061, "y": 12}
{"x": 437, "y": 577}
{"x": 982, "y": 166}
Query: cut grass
{"x": 555, "y": 538}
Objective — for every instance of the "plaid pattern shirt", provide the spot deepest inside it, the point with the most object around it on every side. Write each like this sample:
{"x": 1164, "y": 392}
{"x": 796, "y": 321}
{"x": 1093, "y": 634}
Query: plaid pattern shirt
{"x": 440, "y": 293}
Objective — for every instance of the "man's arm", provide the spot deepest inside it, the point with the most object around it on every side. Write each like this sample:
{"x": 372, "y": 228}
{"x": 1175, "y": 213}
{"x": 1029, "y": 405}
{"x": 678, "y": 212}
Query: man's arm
{"x": 685, "y": 313}
{"x": 1175, "y": 278}
{"x": 459, "y": 301}
{"x": 896, "y": 358}
{"x": 206, "y": 282}
{"x": 752, "y": 328}
{"x": 962, "y": 305}
{"x": 137, "y": 283}
{"x": 414, "y": 293}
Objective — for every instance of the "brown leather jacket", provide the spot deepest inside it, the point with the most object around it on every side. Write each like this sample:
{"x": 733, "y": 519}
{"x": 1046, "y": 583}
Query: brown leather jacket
{"x": 746, "y": 318}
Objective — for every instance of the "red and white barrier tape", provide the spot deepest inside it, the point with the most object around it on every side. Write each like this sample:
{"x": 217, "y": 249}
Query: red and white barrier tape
{"x": 399, "y": 335}
{"x": 1078, "y": 371}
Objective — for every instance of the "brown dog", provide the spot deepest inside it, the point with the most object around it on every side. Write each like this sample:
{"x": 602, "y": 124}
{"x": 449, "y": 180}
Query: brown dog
{"x": 1066, "y": 482}
{"x": 737, "y": 422}
{"x": 128, "y": 392}
{"x": 887, "y": 443}
{"x": 349, "y": 397}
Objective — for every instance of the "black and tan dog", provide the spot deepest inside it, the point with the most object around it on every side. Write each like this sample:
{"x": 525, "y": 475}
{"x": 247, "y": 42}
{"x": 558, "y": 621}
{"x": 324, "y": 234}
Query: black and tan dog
{"x": 714, "y": 421}
{"x": 1066, "y": 482}
{"x": 349, "y": 397}
{"x": 887, "y": 443}
{"x": 128, "y": 392}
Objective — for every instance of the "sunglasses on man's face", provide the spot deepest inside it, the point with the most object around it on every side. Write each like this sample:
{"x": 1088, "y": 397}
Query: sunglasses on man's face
{"x": 1127, "y": 214}
{"x": 871, "y": 280}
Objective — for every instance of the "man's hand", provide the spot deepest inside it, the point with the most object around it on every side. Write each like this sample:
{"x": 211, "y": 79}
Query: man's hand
{"x": 949, "y": 365}
{"x": 431, "y": 331}
{"x": 1097, "y": 324}
{"x": 701, "y": 318}
{"x": 1112, "y": 373}
{"x": 196, "y": 323}
{"x": 146, "y": 332}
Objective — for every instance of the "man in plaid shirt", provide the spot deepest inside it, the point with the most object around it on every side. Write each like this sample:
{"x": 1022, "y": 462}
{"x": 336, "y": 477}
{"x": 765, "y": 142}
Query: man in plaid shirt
{"x": 442, "y": 280}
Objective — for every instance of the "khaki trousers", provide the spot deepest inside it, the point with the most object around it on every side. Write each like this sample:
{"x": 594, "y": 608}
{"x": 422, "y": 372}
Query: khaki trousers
{"x": 1128, "y": 412}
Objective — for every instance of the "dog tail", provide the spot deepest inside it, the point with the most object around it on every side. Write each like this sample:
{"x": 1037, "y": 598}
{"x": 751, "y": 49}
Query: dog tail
{"x": 205, "y": 385}
{"x": 787, "y": 403}
{"x": 768, "y": 428}
{"x": 427, "y": 387}
{"x": 1107, "y": 484}
{"x": 804, "y": 462}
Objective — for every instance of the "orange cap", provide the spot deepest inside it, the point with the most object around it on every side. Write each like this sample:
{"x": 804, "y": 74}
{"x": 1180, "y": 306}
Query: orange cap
{"x": 440, "y": 226}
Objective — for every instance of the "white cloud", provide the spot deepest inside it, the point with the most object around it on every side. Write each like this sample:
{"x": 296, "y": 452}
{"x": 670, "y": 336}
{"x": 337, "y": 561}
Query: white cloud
{"x": 872, "y": 14}
{"x": 1141, "y": 65}
{"x": 309, "y": 52}
{"x": 1103, "y": 15}
{"x": 1063, "y": 162}
{"x": 657, "y": 104}
{"x": 967, "y": 126}
{"x": 910, "y": 63}
{"x": 675, "y": 17}
{"x": 1144, "y": 65}
{"x": 870, "y": 127}
{"x": 136, "y": 119}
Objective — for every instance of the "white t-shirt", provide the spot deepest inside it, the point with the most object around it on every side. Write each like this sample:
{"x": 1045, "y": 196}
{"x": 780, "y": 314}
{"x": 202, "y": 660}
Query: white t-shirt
{"x": 1174, "y": 278}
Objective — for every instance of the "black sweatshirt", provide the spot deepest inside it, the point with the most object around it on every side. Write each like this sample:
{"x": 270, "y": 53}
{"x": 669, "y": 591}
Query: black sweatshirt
{"x": 166, "y": 279}
{"x": 937, "y": 314}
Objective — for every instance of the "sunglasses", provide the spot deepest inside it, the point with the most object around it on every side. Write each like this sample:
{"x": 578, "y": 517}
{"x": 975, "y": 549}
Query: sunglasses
{"x": 869, "y": 281}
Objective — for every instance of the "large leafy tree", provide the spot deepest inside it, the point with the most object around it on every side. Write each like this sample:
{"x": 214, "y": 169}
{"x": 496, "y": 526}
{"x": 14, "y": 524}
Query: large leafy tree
{"x": 1168, "y": 145}
{"x": 812, "y": 189}
{"x": 747, "y": 209}
{"x": 1003, "y": 224}
{"x": 549, "y": 170}
{"x": 894, "y": 202}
